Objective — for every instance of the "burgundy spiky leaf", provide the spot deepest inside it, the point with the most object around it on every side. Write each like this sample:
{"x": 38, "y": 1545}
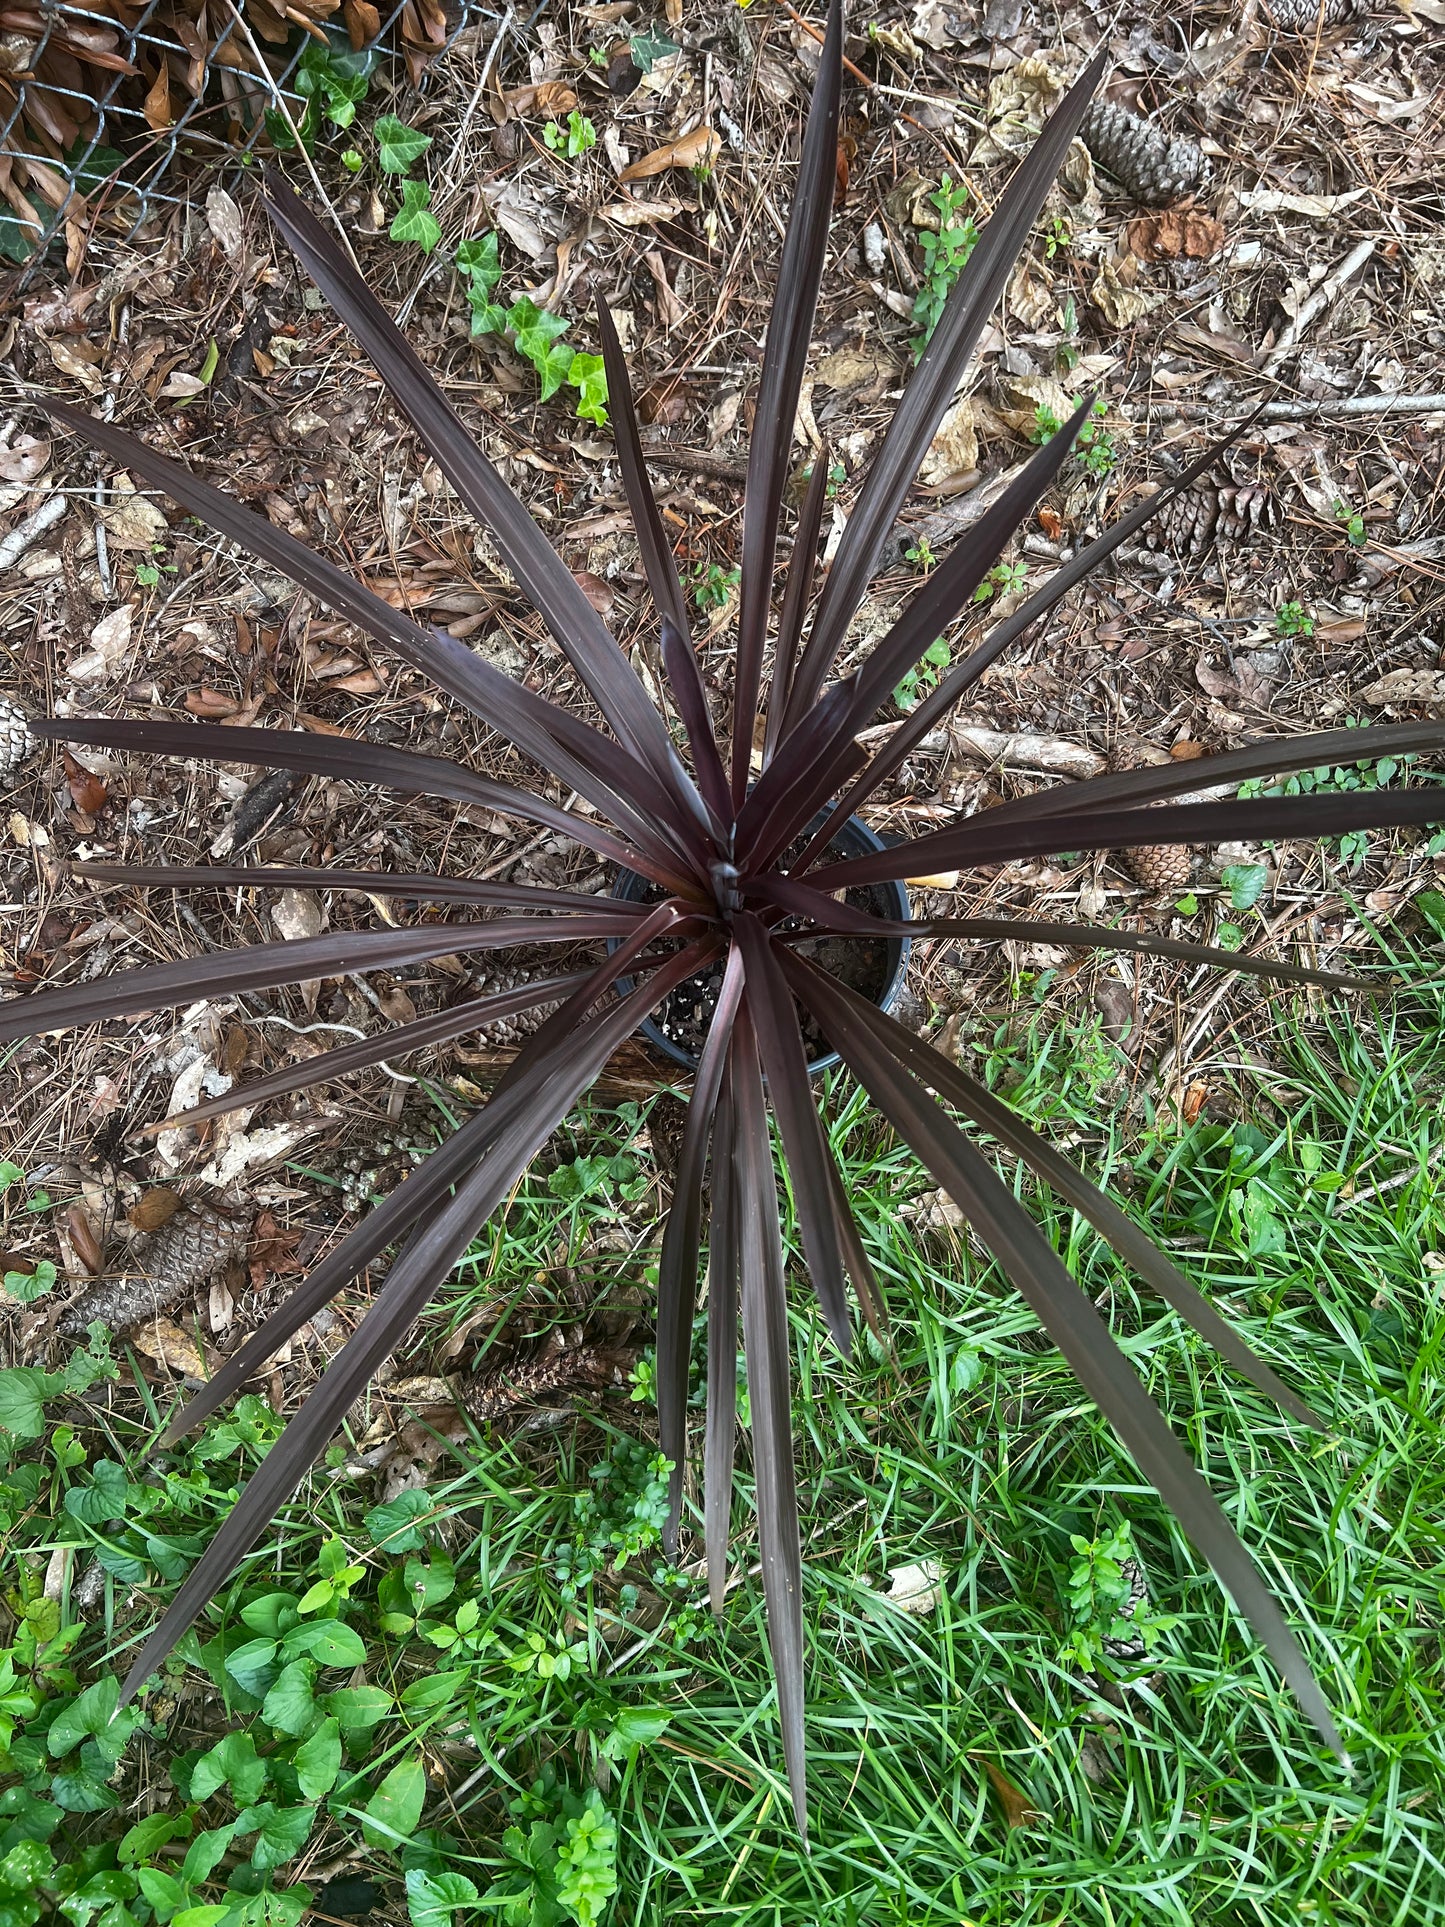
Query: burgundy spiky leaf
{"x": 735, "y": 882}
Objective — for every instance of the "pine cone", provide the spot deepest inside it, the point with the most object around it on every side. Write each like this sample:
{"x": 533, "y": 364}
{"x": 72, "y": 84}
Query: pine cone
{"x": 1186, "y": 526}
{"x": 563, "y": 1371}
{"x": 1245, "y": 508}
{"x": 1198, "y": 517}
{"x": 1310, "y": 16}
{"x": 490, "y": 979}
{"x": 1131, "y": 1647}
{"x": 1155, "y": 169}
{"x": 187, "y": 1251}
{"x": 16, "y": 742}
{"x": 1160, "y": 867}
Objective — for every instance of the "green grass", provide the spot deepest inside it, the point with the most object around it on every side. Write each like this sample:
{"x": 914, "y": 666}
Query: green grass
{"x": 1181, "y": 1788}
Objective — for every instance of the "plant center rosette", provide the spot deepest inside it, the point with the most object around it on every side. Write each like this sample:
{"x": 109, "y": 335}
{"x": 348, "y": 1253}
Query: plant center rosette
{"x": 874, "y": 964}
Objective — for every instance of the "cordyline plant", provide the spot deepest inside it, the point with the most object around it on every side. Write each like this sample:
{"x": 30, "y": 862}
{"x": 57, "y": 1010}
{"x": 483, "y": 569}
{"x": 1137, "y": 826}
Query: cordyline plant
{"x": 737, "y": 877}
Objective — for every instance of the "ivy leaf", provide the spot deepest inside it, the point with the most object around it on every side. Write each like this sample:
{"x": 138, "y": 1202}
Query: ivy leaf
{"x": 552, "y": 369}
{"x": 479, "y": 259}
{"x": 487, "y": 317}
{"x": 395, "y": 1808}
{"x": 398, "y": 145}
{"x": 343, "y": 92}
{"x": 534, "y": 324}
{"x": 414, "y": 220}
{"x": 536, "y": 331}
{"x": 318, "y": 1762}
{"x": 648, "y": 48}
{"x": 588, "y": 376}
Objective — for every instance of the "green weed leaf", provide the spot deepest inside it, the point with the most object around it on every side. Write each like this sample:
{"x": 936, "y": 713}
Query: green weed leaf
{"x": 27, "y": 1286}
{"x": 281, "y": 1832}
{"x": 432, "y": 1898}
{"x": 290, "y": 1704}
{"x": 1244, "y": 882}
{"x": 231, "y": 1762}
{"x": 318, "y": 1761}
{"x": 395, "y": 1808}
{"x": 23, "y": 1392}
{"x": 587, "y": 1862}
{"x": 393, "y": 1526}
{"x": 330, "y": 1642}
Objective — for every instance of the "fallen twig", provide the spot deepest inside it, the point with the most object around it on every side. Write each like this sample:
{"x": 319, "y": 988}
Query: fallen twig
{"x": 25, "y": 534}
{"x": 1346, "y": 407}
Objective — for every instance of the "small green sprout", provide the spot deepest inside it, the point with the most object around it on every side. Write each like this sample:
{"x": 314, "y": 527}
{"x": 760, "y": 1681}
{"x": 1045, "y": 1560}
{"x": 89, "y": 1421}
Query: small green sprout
{"x": 1352, "y": 522}
{"x": 1004, "y": 578}
{"x": 713, "y": 585}
{"x": 572, "y": 140}
{"x": 945, "y": 256}
{"x": 923, "y": 676}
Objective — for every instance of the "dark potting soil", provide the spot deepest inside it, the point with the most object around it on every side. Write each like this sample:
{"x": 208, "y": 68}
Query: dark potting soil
{"x": 860, "y": 963}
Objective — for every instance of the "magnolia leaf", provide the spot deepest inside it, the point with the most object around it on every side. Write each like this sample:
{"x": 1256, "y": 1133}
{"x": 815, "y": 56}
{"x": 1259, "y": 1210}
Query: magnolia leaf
{"x": 700, "y": 148}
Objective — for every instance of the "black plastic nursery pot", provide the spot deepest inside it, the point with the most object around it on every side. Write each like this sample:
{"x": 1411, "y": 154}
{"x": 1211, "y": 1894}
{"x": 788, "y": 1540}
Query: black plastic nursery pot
{"x": 874, "y": 966}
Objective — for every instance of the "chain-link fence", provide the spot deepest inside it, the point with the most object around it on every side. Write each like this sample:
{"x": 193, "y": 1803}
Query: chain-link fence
{"x": 106, "y": 109}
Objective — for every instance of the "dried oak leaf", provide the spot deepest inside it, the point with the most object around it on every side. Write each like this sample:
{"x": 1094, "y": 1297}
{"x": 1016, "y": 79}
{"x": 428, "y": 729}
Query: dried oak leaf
{"x": 87, "y": 792}
{"x": 154, "y": 1208}
{"x": 1177, "y": 233}
{"x": 163, "y": 1340}
{"x": 272, "y": 1251}
{"x": 1407, "y": 686}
